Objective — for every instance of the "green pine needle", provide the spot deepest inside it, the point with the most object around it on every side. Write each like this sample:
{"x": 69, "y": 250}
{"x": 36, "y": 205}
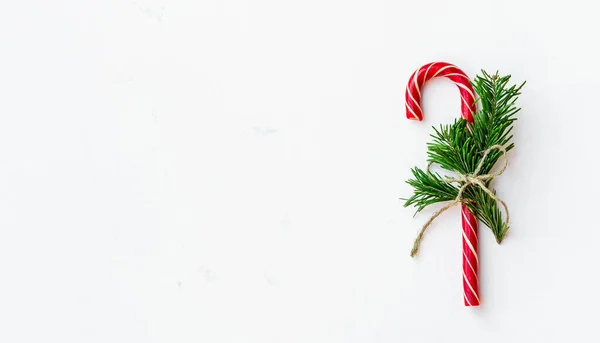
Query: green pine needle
{"x": 458, "y": 147}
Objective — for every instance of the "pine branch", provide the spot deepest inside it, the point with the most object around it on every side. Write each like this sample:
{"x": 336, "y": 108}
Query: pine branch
{"x": 429, "y": 189}
{"x": 494, "y": 121}
{"x": 487, "y": 211}
{"x": 458, "y": 148}
{"x": 453, "y": 147}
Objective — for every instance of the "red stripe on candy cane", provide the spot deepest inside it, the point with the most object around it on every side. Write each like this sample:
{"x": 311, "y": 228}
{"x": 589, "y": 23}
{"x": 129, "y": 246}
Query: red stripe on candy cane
{"x": 414, "y": 111}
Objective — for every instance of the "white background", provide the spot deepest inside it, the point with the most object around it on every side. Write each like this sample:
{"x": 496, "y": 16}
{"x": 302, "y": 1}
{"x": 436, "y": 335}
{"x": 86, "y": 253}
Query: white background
{"x": 229, "y": 171}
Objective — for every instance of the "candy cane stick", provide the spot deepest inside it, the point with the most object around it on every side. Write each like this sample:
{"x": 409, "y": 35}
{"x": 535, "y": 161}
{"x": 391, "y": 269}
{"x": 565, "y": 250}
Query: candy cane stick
{"x": 414, "y": 111}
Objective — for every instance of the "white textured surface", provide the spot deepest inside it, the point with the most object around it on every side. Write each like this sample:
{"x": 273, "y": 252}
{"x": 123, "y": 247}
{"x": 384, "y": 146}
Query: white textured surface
{"x": 229, "y": 171}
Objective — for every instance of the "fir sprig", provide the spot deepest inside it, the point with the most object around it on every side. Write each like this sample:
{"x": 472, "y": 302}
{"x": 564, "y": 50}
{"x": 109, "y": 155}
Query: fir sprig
{"x": 459, "y": 147}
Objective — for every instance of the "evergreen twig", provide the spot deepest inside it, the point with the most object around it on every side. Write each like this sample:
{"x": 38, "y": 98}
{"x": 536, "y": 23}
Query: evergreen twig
{"x": 458, "y": 147}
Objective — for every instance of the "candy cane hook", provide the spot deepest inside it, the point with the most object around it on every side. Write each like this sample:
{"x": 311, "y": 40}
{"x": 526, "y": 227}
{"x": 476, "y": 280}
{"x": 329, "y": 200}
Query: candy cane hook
{"x": 428, "y": 72}
{"x": 414, "y": 111}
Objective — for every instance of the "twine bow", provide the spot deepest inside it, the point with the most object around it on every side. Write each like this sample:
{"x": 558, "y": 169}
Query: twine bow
{"x": 466, "y": 180}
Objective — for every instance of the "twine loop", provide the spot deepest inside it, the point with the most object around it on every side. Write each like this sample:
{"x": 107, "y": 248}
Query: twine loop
{"x": 467, "y": 180}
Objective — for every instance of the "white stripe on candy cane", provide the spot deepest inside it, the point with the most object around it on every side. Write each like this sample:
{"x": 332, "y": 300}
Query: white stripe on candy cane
{"x": 469, "y": 223}
{"x": 417, "y": 84}
{"x": 471, "y": 246}
{"x": 471, "y": 287}
{"x": 441, "y": 70}
{"x": 470, "y": 265}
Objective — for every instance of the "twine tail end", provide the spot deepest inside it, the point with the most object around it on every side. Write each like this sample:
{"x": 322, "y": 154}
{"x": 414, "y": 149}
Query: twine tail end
{"x": 415, "y": 249}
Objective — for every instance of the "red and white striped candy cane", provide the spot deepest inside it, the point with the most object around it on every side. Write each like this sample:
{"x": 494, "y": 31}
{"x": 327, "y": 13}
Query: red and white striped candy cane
{"x": 413, "y": 111}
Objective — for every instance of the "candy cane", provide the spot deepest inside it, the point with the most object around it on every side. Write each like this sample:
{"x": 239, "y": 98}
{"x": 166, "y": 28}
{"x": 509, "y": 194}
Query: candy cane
{"x": 414, "y": 111}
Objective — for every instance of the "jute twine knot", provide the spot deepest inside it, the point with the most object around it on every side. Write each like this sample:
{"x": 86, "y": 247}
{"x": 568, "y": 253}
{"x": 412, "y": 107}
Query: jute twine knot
{"x": 467, "y": 180}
